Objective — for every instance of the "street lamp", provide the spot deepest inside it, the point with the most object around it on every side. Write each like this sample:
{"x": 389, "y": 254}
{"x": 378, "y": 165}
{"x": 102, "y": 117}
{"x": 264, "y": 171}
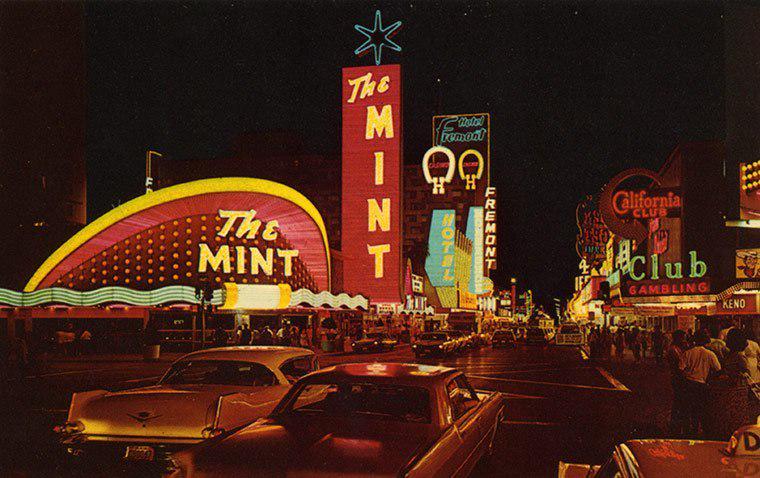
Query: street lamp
{"x": 204, "y": 293}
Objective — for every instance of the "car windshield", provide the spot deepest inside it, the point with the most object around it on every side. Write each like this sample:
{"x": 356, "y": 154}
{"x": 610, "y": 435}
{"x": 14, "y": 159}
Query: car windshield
{"x": 536, "y": 332}
{"x": 431, "y": 336}
{"x": 570, "y": 329}
{"x": 362, "y": 399}
{"x": 375, "y": 336}
{"x": 219, "y": 372}
{"x": 502, "y": 334}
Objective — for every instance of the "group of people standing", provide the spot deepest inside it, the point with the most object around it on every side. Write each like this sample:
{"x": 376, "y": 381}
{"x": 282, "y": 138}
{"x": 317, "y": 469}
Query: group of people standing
{"x": 728, "y": 358}
{"x": 601, "y": 341}
{"x": 289, "y": 335}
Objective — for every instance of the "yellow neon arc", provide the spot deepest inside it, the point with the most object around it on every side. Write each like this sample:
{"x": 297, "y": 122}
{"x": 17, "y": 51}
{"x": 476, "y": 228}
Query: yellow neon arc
{"x": 173, "y": 193}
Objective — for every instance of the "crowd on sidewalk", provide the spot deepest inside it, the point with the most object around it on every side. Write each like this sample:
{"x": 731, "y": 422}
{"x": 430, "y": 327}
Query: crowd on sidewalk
{"x": 714, "y": 372}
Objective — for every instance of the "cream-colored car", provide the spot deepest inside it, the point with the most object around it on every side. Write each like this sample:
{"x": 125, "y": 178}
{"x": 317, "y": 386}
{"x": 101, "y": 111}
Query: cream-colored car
{"x": 203, "y": 394}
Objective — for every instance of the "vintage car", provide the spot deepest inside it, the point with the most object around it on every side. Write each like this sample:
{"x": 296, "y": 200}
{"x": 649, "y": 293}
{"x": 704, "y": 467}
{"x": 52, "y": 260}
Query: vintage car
{"x": 569, "y": 334}
{"x": 374, "y": 342}
{"x": 503, "y": 338}
{"x": 434, "y": 343}
{"x": 378, "y": 419}
{"x": 673, "y": 458}
{"x": 536, "y": 335}
{"x": 203, "y": 394}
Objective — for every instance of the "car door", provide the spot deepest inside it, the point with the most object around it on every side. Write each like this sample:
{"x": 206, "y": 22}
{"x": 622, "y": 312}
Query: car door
{"x": 464, "y": 405}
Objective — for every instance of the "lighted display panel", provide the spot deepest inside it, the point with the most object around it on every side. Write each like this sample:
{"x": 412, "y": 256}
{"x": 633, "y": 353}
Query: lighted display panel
{"x": 238, "y": 230}
{"x": 475, "y": 235}
{"x": 749, "y": 190}
{"x": 372, "y": 182}
{"x": 439, "y": 264}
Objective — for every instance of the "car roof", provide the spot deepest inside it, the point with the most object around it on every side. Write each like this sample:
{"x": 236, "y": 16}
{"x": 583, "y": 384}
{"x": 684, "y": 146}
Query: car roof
{"x": 682, "y": 457}
{"x": 401, "y": 373}
{"x": 271, "y": 356}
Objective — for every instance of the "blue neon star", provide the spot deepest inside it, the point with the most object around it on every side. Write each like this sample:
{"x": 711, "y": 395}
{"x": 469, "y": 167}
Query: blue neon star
{"x": 378, "y": 37}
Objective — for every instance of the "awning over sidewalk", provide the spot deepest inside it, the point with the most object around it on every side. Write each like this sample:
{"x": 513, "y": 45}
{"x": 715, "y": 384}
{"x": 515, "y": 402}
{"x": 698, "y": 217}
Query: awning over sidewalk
{"x": 232, "y": 296}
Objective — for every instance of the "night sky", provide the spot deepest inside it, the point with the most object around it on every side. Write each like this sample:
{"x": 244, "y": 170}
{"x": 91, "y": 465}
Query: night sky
{"x": 577, "y": 93}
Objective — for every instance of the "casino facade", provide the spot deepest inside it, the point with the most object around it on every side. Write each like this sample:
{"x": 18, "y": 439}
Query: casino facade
{"x": 259, "y": 249}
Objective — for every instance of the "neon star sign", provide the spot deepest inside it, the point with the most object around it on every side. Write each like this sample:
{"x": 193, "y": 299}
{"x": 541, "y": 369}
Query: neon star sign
{"x": 378, "y": 37}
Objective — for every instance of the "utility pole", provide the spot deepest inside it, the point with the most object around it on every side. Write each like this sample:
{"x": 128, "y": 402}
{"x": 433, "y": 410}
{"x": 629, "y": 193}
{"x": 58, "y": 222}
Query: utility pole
{"x": 149, "y": 170}
{"x": 204, "y": 293}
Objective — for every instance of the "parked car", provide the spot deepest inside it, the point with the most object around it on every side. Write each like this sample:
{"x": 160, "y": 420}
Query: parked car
{"x": 669, "y": 458}
{"x": 503, "y": 338}
{"x": 374, "y": 341}
{"x": 569, "y": 334}
{"x": 535, "y": 335}
{"x": 202, "y": 395}
{"x": 378, "y": 419}
{"x": 434, "y": 343}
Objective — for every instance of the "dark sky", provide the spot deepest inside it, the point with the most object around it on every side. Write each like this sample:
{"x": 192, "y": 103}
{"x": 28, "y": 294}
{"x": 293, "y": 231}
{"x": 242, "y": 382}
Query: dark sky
{"x": 577, "y": 93}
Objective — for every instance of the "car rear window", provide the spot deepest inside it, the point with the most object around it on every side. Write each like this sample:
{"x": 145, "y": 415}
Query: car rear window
{"x": 536, "y": 332}
{"x": 354, "y": 399}
{"x": 219, "y": 372}
{"x": 569, "y": 329}
{"x": 435, "y": 336}
{"x": 502, "y": 334}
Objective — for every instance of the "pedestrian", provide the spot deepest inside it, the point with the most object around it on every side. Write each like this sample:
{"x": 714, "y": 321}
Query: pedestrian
{"x": 698, "y": 364}
{"x": 716, "y": 345}
{"x": 245, "y": 335}
{"x": 593, "y": 343}
{"x": 635, "y": 344}
{"x": 255, "y": 337}
{"x": 752, "y": 355}
{"x": 294, "y": 337}
{"x": 304, "y": 339}
{"x": 220, "y": 336}
{"x": 620, "y": 344}
{"x": 678, "y": 413}
{"x": 734, "y": 363}
{"x": 267, "y": 336}
{"x": 85, "y": 342}
{"x": 280, "y": 336}
{"x": 657, "y": 344}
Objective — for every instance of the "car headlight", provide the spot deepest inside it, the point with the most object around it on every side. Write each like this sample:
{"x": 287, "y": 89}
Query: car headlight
{"x": 377, "y": 343}
{"x": 353, "y": 344}
{"x": 414, "y": 346}
{"x": 440, "y": 346}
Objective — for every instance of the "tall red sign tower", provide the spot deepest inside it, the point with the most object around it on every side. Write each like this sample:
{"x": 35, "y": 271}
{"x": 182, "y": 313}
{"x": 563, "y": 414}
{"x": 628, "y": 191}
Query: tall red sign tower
{"x": 372, "y": 182}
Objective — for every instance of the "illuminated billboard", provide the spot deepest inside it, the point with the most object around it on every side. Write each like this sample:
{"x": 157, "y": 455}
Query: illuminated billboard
{"x": 439, "y": 264}
{"x": 676, "y": 278}
{"x": 592, "y": 237}
{"x": 747, "y": 263}
{"x": 462, "y": 150}
{"x": 240, "y": 230}
{"x": 372, "y": 182}
{"x": 626, "y": 211}
{"x": 475, "y": 235}
{"x": 749, "y": 190}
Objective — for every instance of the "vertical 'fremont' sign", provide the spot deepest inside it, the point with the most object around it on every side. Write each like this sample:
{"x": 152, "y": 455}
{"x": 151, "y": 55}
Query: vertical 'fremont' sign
{"x": 372, "y": 182}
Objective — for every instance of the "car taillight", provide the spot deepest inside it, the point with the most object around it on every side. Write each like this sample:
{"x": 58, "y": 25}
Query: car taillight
{"x": 70, "y": 427}
{"x": 210, "y": 432}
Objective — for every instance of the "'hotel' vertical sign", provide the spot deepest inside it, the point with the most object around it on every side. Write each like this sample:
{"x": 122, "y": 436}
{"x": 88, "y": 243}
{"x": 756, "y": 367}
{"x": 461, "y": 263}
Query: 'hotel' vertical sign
{"x": 372, "y": 182}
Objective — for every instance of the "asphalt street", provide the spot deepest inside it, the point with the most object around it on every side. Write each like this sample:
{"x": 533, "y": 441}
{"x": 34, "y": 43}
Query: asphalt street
{"x": 560, "y": 406}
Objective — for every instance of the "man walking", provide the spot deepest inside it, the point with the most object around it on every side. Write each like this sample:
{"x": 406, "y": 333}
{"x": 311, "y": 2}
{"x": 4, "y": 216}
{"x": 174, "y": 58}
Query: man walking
{"x": 657, "y": 343}
{"x": 697, "y": 364}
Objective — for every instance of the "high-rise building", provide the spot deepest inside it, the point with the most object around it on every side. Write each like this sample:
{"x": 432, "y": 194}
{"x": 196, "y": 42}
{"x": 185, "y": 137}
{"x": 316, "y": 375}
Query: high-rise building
{"x": 42, "y": 131}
